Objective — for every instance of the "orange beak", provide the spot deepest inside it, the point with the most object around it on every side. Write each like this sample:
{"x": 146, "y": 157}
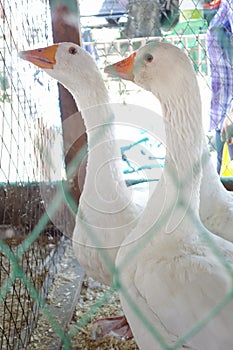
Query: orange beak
{"x": 42, "y": 58}
{"x": 122, "y": 69}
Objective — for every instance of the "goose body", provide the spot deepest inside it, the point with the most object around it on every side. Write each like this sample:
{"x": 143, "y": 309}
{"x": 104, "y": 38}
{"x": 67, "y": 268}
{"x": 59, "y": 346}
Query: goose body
{"x": 216, "y": 203}
{"x": 106, "y": 212}
{"x": 172, "y": 271}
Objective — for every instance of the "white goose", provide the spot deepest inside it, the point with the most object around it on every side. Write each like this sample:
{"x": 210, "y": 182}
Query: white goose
{"x": 216, "y": 203}
{"x": 171, "y": 270}
{"x": 106, "y": 212}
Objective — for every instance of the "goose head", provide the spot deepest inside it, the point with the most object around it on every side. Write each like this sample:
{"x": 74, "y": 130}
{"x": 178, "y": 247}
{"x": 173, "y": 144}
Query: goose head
{"x": 167, "y": 72}
{"x": 158, "y": 67}
{"x": 74, "y": 68}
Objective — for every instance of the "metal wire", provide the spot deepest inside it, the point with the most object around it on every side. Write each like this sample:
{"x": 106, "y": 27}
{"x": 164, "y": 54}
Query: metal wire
{"x": 30, "y": 246}
{"x": 26, "y": 131}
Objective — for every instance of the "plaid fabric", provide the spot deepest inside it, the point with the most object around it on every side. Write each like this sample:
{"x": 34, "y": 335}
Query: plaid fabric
{"x": 219, "y": 51}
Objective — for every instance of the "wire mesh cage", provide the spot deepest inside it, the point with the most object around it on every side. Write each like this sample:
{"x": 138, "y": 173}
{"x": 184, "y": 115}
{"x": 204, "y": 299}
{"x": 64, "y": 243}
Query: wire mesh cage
{"x": 35, "y": 146}
{"x": 28, "y": 129}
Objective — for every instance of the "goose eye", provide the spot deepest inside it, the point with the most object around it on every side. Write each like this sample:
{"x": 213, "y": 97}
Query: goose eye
{"x": 72, "y": 50}
{"x": 148, "y": 58}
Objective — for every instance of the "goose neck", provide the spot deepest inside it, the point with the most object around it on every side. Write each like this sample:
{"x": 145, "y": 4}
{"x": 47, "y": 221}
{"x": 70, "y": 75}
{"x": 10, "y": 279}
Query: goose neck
{"x": 184, "y": 141}
{"x": 183, "y": 126}
{"x": 104, "y": 167}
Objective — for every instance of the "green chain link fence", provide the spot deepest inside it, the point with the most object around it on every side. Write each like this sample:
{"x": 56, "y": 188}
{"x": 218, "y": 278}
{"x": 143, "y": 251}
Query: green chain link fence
{"x": 31, "y": 245}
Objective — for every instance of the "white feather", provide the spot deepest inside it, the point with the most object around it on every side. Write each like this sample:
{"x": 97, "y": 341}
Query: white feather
{"x": 106, "y": 212}
{"x": 172, "y": 271}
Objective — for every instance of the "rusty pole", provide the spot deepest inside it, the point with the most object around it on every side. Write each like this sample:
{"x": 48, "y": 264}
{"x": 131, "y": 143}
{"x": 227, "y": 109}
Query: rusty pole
{"x": 66, "y": 27}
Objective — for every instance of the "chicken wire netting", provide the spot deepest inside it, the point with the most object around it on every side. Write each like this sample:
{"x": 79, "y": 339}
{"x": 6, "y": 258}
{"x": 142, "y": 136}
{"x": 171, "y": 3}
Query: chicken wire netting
{"x": 30, "y": 122}
{"x": 28, "y": 98}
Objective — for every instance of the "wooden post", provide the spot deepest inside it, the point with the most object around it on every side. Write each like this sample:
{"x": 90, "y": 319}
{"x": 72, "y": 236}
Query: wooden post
{"x": 66, "y": 27}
